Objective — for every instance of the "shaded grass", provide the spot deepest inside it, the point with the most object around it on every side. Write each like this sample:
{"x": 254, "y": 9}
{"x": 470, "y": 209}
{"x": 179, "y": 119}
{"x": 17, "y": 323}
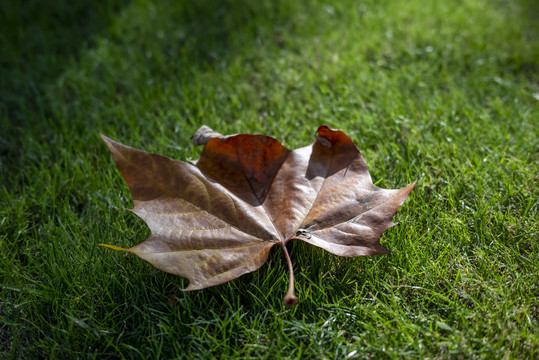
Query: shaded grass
{"x": 446, "y": 92}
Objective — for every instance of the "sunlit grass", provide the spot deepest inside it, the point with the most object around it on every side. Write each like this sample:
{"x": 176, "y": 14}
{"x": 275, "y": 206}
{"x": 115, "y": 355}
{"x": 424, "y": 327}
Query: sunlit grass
{"x": 444, "y": 92}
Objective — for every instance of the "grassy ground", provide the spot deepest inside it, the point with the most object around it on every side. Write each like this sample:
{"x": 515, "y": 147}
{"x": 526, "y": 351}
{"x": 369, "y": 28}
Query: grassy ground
{"x": 443, "y": 91}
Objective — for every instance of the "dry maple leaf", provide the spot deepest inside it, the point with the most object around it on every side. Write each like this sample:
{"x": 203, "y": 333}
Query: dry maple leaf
{"x": 217, "y": 220}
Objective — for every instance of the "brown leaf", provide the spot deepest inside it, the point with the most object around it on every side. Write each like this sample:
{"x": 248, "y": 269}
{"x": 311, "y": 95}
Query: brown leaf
{"x": 217, "y": 220}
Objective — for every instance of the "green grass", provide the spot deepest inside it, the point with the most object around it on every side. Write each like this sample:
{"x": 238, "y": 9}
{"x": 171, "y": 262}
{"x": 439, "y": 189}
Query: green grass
{"x": 445, "y": 91}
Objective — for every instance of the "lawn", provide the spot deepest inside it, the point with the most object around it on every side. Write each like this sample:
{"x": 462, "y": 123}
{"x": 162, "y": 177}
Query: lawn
{"x": 446, "y": 92}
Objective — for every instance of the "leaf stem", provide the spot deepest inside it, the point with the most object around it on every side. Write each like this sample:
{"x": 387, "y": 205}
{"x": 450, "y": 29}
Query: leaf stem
{"x": 289, "y": 299}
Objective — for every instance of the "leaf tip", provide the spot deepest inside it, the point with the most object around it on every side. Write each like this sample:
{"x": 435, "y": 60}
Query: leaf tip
{"x": 408, "y": 188}
{"x": 108, "y": 141}
{"x": 105, "y": 138}
{"x": 192, "y": 287}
